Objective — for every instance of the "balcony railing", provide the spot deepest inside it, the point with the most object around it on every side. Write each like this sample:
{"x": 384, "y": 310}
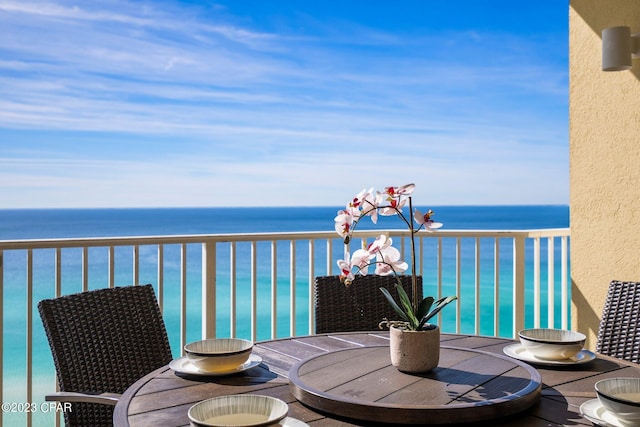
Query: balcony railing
{"x": 260, "y": 286}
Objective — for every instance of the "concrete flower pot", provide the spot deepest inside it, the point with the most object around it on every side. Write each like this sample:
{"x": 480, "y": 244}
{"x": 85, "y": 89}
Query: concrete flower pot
{"x": 415, "y": 351}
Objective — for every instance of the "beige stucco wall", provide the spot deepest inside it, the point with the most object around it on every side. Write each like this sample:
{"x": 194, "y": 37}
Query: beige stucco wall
{"x": 604, "y": 143}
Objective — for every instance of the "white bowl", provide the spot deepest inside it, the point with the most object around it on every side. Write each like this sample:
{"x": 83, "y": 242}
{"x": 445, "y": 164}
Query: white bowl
{"x": 621, "y": 398}
{"x": 552, "y": 344}
{"x": 218, "y": 354}
{"x": 240, "y": 410}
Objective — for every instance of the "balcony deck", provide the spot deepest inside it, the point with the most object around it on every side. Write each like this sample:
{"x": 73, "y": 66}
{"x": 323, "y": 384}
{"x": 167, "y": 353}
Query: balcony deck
{"x": 260, "y": 286}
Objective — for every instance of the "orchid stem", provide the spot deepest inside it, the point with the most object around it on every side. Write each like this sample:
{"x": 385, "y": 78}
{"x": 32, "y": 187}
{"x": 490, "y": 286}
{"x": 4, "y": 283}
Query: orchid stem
{"x": 414, "y": 279}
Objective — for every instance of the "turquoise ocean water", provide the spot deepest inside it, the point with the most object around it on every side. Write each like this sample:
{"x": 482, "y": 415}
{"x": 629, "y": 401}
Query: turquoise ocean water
{"x": 64, "y": 223}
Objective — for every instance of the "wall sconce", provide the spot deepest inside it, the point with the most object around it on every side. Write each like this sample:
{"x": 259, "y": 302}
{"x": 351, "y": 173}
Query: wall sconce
{"x": 619, "y": 46}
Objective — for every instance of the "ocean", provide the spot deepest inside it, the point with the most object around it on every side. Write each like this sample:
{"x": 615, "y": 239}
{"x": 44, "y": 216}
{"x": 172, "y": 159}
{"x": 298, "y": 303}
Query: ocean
{"x": 22, "y": 224}
{"x": 61, "y": 223}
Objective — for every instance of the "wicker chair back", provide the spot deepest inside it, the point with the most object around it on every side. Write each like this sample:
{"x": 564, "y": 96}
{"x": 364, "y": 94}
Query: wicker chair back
{"x": 103, "y": 341}
{"x": 619, "y": 331}
{"x": 358, "y": 307}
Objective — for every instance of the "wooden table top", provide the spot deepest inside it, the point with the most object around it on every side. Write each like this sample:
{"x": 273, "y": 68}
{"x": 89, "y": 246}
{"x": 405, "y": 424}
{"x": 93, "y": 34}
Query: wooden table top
{"x": 163, "y": 397}
{"x": 469, "y": 385}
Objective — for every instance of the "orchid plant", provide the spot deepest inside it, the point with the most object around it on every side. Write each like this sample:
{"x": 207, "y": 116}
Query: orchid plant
{"x": 380, "y": 253}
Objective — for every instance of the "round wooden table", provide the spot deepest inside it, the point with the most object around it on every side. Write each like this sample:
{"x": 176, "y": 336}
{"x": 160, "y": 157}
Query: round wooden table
{"x": 164, "y": 397}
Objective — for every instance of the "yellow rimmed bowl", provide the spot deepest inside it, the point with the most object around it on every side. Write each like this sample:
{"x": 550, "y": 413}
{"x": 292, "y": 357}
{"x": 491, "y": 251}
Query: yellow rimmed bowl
{"x": 552, "y": 344}
{"x": 218, "y": 354}
{"x": 240, "y": 410}
{"x": 621, "y": 398}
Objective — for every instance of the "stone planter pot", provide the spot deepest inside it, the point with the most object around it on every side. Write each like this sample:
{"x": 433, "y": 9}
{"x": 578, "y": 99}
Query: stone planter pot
{"x": 415, "y": 351}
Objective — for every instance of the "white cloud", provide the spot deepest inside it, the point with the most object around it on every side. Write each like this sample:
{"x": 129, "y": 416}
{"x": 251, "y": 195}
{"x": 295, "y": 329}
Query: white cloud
{"x": 226, "y": 106}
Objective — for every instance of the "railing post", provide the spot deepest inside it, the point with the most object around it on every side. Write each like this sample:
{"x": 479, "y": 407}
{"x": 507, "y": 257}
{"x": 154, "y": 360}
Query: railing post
{"x": 208, "y": 290}
{"x": 183, "y": 295}
{"x": 254, "y": 291}
{"x": 565, "y": 283}
{"x": 496, "y": 288}
{"x": 85, "y": 271}
{"x": 161, "y": 277}
{"x": 112, "y": 266}
{"x": 58, "y": 272}
{"x": 233, "y": 283}
{"x": 439, "y": 277}
{"x": 29, "y": 342}
{"x": 550, "y": 283}
{"x": 136, "y": 265}
{"x": 274, "y": 289}
{"x": 312, "y": 274}
{"x": 1, "y": 326}
{"x": 329, "y": 257}
{"x": 536, "y": 282}
{"x": 292, "y": 288}
{"x": 518, "y": 284}
{"x": 458, "y": 284}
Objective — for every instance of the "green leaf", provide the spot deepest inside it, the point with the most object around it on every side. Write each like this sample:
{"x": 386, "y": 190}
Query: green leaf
{"x": 426, "y": 310}
{"x": 393, "y": 304}
{"x": 408, "y": 306}
{"x": 439, "y": 305}
{"x": 424, "y": 307}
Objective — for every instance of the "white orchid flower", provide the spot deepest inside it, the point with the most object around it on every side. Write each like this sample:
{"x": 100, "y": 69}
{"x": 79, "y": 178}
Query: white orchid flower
{"x": 360, "y": 260}
{"x": 346, "y": 273}
{"x": 425, "y": 220}
{"x": 344, "y": 220}
{"x": 388, "y": 262}
{"x": 396, "y": 197}
{"x": 403, "y": 190}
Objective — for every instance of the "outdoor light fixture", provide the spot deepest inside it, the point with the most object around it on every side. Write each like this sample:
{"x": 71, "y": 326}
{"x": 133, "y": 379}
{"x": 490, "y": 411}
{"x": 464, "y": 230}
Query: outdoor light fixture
{"x": 619, "y": 46}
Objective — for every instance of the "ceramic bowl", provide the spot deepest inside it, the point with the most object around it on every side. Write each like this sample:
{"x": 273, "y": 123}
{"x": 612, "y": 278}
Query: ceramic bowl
{"x": 552, "y": 344}
{"x": 219, "y": 354}
{"x": 240, "y": 410}
{"x": 621, "y": 398}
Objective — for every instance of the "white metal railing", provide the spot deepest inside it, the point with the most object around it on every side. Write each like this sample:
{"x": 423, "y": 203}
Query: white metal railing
{"x": 216, "y": 285}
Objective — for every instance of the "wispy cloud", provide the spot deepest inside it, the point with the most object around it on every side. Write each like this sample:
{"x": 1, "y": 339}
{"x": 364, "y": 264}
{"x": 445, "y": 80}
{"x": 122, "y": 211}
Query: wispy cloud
{"x": 176, "y": 89}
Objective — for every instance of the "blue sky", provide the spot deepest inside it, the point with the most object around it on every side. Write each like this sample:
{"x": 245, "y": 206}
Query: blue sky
{"x": 254, "y": 103}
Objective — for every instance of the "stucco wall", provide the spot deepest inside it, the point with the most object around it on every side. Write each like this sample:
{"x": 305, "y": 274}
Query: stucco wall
{"x": 604, "y": 122}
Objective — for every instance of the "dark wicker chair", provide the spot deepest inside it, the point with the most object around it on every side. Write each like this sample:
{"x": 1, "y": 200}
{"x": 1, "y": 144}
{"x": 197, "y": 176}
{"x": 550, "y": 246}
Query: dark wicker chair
{"x": 358, "y": 307}
{"x": 102, "y": 341}
{"x": 619, "y": 331}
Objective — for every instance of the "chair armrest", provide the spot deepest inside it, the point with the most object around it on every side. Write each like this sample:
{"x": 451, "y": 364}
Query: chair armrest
{"x": 69, "y": 396}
